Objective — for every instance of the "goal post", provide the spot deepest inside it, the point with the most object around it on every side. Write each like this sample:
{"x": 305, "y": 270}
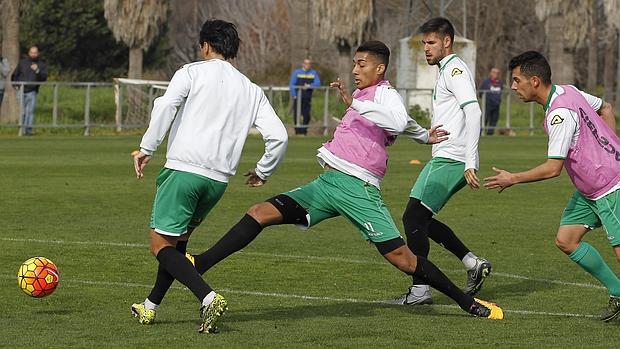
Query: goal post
{"x": 133, "y": 99}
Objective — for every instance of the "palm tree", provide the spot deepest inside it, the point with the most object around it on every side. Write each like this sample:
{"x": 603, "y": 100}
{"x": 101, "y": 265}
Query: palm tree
{"x": 346, "y": 23}
{"x": 136, "y": 23}
{"x": 567, "y": 24}
{"x": 10, "y": 49}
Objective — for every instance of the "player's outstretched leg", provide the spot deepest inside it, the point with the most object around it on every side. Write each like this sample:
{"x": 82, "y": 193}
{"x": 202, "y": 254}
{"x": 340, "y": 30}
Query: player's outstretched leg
{"x": 280, "y": 209}
{"x": 238, "y": 237}
{"x": 407, "y": 262}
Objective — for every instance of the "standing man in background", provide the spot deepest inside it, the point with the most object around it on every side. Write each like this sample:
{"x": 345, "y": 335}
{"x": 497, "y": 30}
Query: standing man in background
{"x": 301, "y": 85}
{"x": 492, "y": 86}
{"x": 30, "y": 68}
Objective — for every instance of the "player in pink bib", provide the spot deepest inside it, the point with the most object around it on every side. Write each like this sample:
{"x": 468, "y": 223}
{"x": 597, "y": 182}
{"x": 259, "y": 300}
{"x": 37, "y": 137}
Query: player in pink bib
{"x": 582, "y": 138}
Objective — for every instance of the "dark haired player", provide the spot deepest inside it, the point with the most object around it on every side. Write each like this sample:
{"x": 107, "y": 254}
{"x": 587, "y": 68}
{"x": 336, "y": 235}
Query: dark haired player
{"x": 453, "y": 165}
{"x": 355, "y": 161}
{"x": 211, "y": 107}
{"x": 582, "y": 138}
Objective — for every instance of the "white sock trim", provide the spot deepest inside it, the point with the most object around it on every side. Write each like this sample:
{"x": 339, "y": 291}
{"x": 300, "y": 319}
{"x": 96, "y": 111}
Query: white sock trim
{"x": 469, "y": 261}
{"x": 150, "y": 305}
{"x": 208, "y": 298}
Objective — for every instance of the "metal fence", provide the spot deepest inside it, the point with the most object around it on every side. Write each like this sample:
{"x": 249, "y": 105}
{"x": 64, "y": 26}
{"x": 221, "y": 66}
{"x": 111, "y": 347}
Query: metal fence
{"x": 89, "y": 105}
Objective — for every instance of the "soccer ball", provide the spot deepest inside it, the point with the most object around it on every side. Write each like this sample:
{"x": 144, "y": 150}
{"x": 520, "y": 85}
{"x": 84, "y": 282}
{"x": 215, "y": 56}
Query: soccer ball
{"x": 38, "y": 277}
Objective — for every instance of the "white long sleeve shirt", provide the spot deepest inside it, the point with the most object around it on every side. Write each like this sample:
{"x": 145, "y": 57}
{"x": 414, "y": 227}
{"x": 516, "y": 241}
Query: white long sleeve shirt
{"x": 211, "y": 107}
{"x": 455, "y": 106}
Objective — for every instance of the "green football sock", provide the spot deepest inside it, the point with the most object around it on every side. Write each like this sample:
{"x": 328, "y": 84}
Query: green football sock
{"x": 589, "y": 259}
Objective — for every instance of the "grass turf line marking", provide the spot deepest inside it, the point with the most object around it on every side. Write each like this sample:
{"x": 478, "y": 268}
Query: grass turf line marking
{"x": 305, "y": 297}
{"x": 314, "y": 258}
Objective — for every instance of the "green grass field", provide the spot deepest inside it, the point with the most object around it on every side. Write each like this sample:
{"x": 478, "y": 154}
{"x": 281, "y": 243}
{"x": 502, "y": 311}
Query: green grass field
{"x": 76, "y": 201}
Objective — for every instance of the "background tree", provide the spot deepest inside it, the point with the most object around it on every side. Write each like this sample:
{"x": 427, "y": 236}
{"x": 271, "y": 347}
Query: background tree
{"x": 345, "y": 23}
{"x": 137, "y": 24}
{"x": 74, "y": 39}
{"x": 10, "y": 49}
{"x": 567, "y": 23}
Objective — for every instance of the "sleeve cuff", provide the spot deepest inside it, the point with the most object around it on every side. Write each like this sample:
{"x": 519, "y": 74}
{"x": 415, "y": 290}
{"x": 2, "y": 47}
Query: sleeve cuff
{"x": 557, "y": 157}
{"x": 468, "y": 102}
{"x": 356, "y": 104}
{"x": 146, "y": 151}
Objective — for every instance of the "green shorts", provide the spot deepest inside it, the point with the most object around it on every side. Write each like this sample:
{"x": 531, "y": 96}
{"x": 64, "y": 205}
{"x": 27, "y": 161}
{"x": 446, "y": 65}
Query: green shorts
{"x": 439, "y": 180}
{"x": 183, "y": 200}
{"x": 603, "y": 212}
{"x": 335, "y": 193}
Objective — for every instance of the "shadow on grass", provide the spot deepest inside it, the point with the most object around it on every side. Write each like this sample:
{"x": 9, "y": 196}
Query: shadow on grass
{"x": 335, "y": 310}
{"x": 518, "y": 288}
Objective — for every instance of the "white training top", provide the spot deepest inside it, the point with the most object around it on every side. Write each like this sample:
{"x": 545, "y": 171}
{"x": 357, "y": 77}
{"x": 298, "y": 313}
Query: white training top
{"x": 454, "y": 90}
{"x": 387, "y": 111}
{"x": 563, "y": 124}
{"x": 218, "y": 106}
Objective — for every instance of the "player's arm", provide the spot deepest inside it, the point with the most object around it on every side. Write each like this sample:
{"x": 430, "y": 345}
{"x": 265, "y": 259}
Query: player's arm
{"x": 390, "y": 114}
{"x": 604, "y": 109}
{"x": 423, "y": 136}
{"x": 162, "y": 115}
{"x": 504, "y": 179}
{"x": 561, "y": 126}
{"x": 276, "y": 140}
{"x": 607, "y": 114}
{"x": 317, "y": 81}
{"x": 292, "y": 84}
{"x": 462, "y": 86}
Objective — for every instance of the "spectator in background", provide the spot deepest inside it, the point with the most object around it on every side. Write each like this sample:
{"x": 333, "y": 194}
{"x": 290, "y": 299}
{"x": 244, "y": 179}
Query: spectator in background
{"x": 302, "y": 82}
{"x": 30, "y": 68}
{"x": 492, "y": 87}
{"x": 4, "y": 73}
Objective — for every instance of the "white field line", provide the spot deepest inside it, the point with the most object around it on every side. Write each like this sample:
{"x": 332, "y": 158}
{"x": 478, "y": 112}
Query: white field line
{"x": 302, "y": 258}
{"x": 103, "y": 284}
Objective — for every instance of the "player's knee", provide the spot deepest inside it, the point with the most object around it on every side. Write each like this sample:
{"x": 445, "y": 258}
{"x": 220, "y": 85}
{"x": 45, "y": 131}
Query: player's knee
{"x": 416, "y": 216}
{"x": 265, "y": 214}
{"x": 564, "y": 245}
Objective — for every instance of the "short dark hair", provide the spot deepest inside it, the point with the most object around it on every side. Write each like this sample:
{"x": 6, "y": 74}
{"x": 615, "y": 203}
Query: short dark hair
{"x": 438, "y": 25}
{"x": 376, "y": 48}
{"x": 222, "y": 36}
{"x": 532, "y": 63}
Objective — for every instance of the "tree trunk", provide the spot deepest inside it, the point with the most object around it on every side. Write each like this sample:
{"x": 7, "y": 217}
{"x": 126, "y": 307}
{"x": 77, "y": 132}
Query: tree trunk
{"x": 300, "y": 31}
{"x": 610, "y": 64}
{"x": 345, "y": 65}
{"x": 135, "y": 63}
{"x": 9, "y": 113}
{"x": 560, "y": 59}
{"x": 592, "y": 58}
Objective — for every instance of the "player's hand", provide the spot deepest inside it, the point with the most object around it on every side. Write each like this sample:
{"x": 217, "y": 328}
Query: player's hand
{"x": 253, "y": 179}
{"x": 346, "y": 96}
{"x": 139, "y": 163}
{"x": 437, "y": 135}
{"x": 472, "y": 179}
{"x": 502, "y": 180}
